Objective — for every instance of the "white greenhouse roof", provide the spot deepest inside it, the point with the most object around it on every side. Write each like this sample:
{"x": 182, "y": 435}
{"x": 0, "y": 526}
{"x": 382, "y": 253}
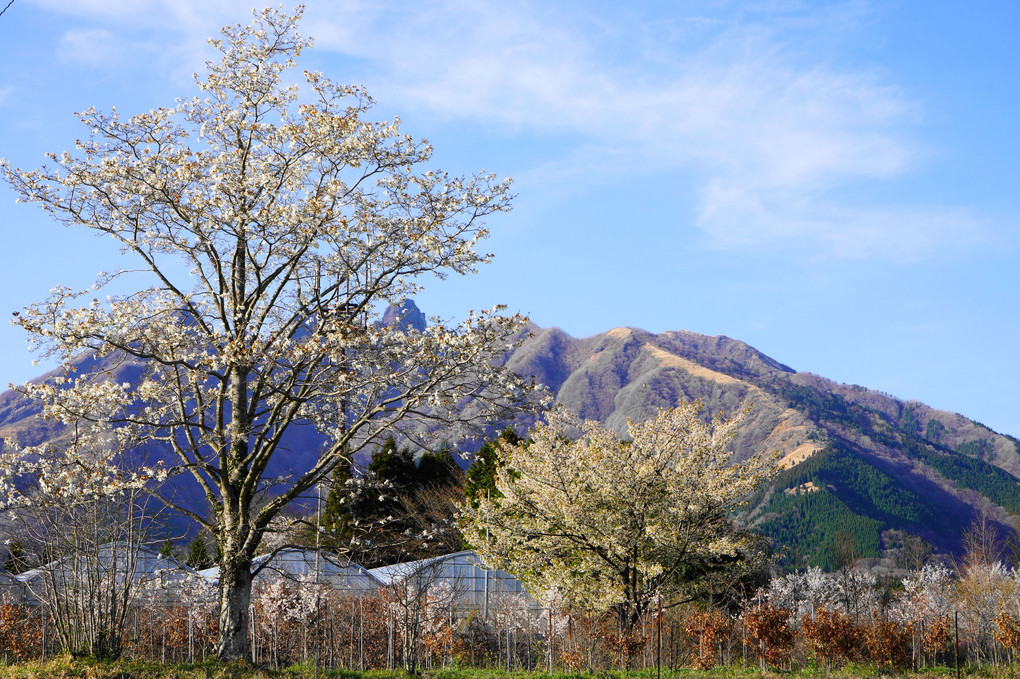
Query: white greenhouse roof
{"x": 155, "y": 574}
{"x": 474, "y": 583}
{"x": 307, "y": 566}
{"x": 148, "y": 563}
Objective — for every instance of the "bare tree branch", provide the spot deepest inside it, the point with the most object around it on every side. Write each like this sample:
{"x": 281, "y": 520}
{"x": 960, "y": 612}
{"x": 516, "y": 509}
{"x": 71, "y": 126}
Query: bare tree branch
{"x": 299, "y": 219}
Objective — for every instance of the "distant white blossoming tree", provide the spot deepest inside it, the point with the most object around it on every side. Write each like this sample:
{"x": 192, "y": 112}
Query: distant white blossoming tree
{"x": 612, "y": 523}
{"x": 269, "y": 222}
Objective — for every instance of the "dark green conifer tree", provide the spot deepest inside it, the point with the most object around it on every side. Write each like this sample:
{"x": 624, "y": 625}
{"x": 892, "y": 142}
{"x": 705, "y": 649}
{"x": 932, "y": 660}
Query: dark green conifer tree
{"x": 198, "y": 554}
{"x": 481, "y": 475}
{"x": 438, "y": 470}
{"x": 336, "y": 523}
{"x": 393, "y": 465}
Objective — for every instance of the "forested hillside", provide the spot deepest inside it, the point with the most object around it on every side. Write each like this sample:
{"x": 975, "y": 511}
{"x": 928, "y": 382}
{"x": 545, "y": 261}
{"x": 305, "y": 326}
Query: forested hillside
{"x": 857, "y": 462}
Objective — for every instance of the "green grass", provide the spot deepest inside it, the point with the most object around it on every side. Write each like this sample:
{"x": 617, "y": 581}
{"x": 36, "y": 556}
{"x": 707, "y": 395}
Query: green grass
{"x": 66, "y": 668}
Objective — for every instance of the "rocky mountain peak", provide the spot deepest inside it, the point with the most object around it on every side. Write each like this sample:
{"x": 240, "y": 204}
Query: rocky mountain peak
{"x": 406, "y": 316}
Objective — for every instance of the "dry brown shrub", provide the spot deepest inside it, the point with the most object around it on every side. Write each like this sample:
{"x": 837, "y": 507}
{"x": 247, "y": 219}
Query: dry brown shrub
{"x": 19, "y": 632}
{"x": 935, "y": 635}
{"x": 709, "y": 627}
{"x": 178, "y": 630}
{"x": 887, "y": 643}
{"x": 571, "y": 661}
{"x": 835, "y": 637}
{"x": 1007, "y": 630}
{"x": 622, "y": 644}
{"x": 769, "y": 634}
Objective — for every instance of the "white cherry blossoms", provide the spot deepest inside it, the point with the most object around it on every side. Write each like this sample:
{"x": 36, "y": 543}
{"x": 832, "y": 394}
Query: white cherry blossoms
{"x": 611, "y": 523}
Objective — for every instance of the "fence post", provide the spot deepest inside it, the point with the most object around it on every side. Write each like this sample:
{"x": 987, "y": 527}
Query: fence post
{"x": 318, "y": 595}
{"x": 389, "y": 645}
{"x": 956, "y": 646}
{"x": 550, "y": 637}
{"x": 658, "y": 639}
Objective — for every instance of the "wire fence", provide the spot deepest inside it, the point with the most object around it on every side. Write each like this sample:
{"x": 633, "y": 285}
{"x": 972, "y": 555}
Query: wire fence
{"x": 375, "y": 631}
{"x": 451, "y": 612}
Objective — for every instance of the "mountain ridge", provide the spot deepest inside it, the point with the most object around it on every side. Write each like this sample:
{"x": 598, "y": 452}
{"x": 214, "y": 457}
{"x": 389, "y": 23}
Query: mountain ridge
{"x": 855, "y": 460}
{"x": 947, "y": 468}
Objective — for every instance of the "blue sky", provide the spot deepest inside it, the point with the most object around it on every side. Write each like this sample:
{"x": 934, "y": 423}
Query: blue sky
{"x": 833, "y": 183}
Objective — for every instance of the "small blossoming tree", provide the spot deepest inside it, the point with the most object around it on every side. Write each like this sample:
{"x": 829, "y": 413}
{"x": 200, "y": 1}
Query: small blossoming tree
{"x": 269, "y": 222}
{"x": 610, "y": 523}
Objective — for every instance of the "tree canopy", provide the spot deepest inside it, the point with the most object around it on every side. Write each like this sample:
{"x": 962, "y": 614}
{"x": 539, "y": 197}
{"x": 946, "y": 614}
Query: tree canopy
{"x": 480, "y": 479}
{"x": 265, "y": 223}
{"x": 397, "y": 509}
{"x": 607, "y": 523}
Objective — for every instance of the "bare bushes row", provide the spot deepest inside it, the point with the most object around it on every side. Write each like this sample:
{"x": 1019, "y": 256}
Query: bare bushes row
{"x": 799, "y": 620}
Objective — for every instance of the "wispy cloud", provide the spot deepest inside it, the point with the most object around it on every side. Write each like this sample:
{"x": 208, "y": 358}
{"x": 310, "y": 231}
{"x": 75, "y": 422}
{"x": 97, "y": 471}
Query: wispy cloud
{"x": 134, "y": 33}
{"x": 773, "y": 131}
{"x": 812, "y": 226}
{"x": 93, "y": 47}
{"x": 748, "y": 102}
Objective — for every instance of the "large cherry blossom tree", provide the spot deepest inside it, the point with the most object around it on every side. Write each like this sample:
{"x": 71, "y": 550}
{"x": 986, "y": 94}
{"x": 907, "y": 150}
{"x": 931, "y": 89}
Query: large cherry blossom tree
{"x": 611, "y": 524}
{"x": 269, "y": 221}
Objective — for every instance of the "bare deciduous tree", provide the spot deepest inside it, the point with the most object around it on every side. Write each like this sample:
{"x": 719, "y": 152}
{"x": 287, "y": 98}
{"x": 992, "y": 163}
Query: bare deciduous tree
{"x": 87, "y": 554}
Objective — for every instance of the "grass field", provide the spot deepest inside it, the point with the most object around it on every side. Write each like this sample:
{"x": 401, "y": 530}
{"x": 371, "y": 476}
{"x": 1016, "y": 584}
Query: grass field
{"x": 65, "y": 668}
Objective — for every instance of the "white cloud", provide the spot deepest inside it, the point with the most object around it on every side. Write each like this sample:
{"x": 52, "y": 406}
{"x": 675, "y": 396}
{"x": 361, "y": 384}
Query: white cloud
{"x": 96, "y": 47}
{"x": 170, "y": 33}
{"x": 773, "y": 131}
{"x": 813, "y": 226}
{"x": 751, "y": 106}
{"x": 147, "y": 14}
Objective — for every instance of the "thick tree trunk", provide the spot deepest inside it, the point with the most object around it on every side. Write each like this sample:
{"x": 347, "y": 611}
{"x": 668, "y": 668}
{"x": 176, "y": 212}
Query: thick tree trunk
{"x": 235, "y": 600}
{"x": 235, "y": 564}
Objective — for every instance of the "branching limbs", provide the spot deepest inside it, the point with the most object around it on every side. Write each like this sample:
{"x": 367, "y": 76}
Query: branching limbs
{"x": 296, "y": 220}
{"x": 610, "y": 524}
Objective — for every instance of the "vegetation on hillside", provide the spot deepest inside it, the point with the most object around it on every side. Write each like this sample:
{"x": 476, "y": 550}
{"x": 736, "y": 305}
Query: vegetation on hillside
{"x": 832, "y": 493}
{"x": 910, "y": 482}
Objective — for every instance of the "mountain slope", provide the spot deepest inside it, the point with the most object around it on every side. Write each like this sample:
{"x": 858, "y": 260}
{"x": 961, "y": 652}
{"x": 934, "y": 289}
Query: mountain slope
{"x": 856, "y": 462}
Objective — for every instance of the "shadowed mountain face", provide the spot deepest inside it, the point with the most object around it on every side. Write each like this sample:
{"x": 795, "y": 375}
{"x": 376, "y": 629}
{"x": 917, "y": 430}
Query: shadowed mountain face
{"x": 21, "y": 421}
{"x": 856, "y": 462}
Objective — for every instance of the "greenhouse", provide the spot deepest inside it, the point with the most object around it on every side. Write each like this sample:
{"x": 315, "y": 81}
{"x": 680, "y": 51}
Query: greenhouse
{"x": 155, "y": 575}
{"x": 473, "y": 584}
{"x": 309, "y": 567}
